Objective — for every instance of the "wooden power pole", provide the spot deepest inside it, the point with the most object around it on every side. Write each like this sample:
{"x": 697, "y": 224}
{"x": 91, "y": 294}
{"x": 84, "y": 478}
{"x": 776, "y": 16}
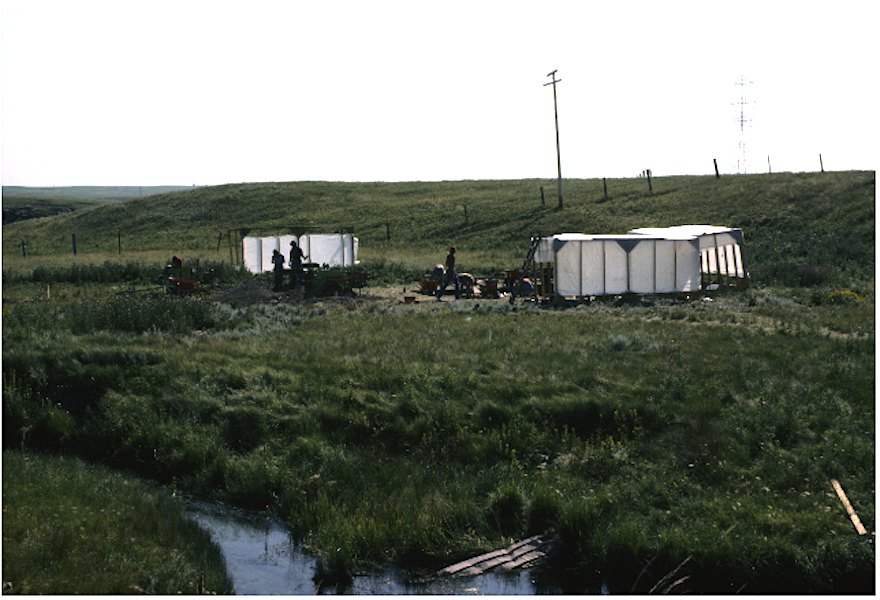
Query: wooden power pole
{"x": 556, "y": 118}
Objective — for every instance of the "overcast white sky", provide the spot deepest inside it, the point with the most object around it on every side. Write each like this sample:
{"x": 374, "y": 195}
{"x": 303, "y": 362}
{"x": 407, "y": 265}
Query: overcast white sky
{"x": 186, "y": 92}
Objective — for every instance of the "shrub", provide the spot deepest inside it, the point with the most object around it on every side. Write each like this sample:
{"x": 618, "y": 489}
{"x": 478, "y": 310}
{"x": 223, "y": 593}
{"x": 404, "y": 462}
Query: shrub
{"x": 507, "y": 509}
{"x": 795, "y": 274}
{"x": 244, "y": 427}
{"x": 843, "y": 297}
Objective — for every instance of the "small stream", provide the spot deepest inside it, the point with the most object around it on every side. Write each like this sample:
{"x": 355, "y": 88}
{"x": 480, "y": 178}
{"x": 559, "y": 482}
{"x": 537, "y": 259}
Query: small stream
{"x": 263, "y": 559}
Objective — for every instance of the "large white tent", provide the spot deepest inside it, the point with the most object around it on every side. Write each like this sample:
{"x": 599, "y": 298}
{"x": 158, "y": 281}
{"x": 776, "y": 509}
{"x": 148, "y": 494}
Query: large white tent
{"x": 330, "y": 249}
{"x": 643, "y": 261}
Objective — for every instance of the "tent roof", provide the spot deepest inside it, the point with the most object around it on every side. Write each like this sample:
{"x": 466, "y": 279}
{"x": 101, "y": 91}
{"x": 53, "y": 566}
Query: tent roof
{"x": 585, "y": 237}
{"x": 680, "y": 232}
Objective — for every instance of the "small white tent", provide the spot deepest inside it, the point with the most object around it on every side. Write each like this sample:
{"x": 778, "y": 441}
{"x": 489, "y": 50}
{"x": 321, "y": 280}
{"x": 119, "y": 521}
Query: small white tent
{"x": 331, "y": 249}
{"x": 642, "y": 261}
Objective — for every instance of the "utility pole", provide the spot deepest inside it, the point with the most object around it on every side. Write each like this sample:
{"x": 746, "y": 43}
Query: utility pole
{"x": 556, "y": 118}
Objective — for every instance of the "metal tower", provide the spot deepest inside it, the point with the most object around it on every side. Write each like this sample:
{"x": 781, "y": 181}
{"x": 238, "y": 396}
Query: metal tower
{"x": 742, "y": 157}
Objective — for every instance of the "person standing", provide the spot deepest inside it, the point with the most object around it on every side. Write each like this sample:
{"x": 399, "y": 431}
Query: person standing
{"x": 296, "y": 264}
{"x": 278, "y": 262}
{"x": 451, "y": 275}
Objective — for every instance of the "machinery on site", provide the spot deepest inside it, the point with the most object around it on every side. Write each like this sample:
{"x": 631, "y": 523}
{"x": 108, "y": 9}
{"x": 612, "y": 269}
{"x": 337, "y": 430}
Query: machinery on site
{"x": 178, "y": 280}
{"x": 684, "y": 261}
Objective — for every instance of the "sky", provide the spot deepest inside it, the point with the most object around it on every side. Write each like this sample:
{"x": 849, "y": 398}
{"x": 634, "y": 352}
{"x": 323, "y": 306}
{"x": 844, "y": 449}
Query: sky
{"x": 197, "y": 93}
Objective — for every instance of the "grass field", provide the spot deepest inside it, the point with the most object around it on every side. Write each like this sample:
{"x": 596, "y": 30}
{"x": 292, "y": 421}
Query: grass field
{"x": 73, "y": 528}
{"x": 640, "y": 436}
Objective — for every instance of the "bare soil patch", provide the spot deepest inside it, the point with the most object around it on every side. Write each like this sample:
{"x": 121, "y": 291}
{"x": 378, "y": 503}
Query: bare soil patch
{"x": 260, "y": 292}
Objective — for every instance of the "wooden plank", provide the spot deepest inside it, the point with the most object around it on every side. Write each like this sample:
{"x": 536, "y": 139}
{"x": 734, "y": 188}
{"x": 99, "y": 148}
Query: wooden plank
{"x": 501, "y": 560}
{"x": 849, "y": 509}
{"x": 525, "y": 559}
{"x": 514, "y": 556}
{"x": 472, "y": 561}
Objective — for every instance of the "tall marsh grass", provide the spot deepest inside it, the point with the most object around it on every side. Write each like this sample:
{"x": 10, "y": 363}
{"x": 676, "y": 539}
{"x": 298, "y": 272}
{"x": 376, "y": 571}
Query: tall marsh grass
{"x": 420, "y": 434}
{"x": 70, "y": 528}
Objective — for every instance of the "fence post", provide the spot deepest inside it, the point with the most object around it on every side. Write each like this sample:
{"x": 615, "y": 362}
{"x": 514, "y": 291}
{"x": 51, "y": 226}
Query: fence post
{"x": 542, "y": 195}
{"x": 650, "y": 187}
{"x": 605, "y": 187}
{"x": 119, "y": 240}
{"x": 23, "y": 249}
{"x": 717, "y": 174}
{"x": 388, "y": 231}
{"x": 74, "y": 244}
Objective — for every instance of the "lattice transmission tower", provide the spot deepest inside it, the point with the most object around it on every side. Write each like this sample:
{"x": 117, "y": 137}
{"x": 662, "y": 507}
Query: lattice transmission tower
{"x": 742, "y": 155}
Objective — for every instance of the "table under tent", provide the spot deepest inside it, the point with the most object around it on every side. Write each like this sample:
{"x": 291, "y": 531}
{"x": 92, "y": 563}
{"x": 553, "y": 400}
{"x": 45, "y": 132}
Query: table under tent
{"x": 684, "y": 261}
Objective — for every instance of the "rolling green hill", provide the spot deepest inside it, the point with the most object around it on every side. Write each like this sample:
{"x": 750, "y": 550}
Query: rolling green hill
{"x": 820, "y": 219}
{"x": 21, "y": 203}
{"x": 89, "y": 192}
{"x": 688, "y": 438}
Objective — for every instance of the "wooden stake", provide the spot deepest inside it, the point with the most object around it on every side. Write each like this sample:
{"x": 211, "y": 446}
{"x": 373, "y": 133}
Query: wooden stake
{"x": 849, "y": 509}
{"x": 717, "y": 174}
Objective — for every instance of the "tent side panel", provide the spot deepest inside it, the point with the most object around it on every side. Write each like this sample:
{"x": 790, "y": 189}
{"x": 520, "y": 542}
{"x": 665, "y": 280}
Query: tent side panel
{"x": 687, "y": 265}
{"x": 567, "y": 272}
{"x": 325, "y": 249}
{"x": 544, "y": 252}
{"x": 592, "y": 268}
{"x": 740, "y": 269}
{"x": 616, "y": 268}
{"x": 267, "y": 245}
{"x": 251, "y": 254}
{"x": 665, "y": 266}
{"x": 641, "y": 267}
{"x": 284, "y": 247}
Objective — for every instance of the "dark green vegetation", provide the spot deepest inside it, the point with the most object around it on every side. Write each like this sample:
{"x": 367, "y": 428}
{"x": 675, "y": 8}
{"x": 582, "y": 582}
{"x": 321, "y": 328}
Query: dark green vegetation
{"x": 419, "y": 434}
{"x": 73, "y": 528}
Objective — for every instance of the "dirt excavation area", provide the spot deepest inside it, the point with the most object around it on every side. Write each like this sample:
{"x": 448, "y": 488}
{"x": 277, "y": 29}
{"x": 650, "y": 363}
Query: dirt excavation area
{"x": 260, "y": 292}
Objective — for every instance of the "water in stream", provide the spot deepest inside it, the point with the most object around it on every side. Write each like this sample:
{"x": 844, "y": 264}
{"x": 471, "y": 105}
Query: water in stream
{"x": 263, "y": 559}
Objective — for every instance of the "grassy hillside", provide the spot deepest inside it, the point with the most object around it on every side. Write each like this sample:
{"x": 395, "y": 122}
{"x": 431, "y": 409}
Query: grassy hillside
{"x": 700, "y": 434}
{"x": 821, "y": 219}
{"x": 20, "y": 203}
{"x": 88, "y": 192}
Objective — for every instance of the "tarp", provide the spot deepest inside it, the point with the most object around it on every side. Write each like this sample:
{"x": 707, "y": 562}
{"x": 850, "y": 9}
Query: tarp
{"x": 642, "y": 261}
{"x": 330, "y": 249}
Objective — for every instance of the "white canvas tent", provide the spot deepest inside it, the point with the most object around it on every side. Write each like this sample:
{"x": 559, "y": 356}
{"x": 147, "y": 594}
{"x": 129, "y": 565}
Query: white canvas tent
{"x": 331, "y": 249}
{"x": 642, "y": 261}
{"x": 721, "y": 249}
